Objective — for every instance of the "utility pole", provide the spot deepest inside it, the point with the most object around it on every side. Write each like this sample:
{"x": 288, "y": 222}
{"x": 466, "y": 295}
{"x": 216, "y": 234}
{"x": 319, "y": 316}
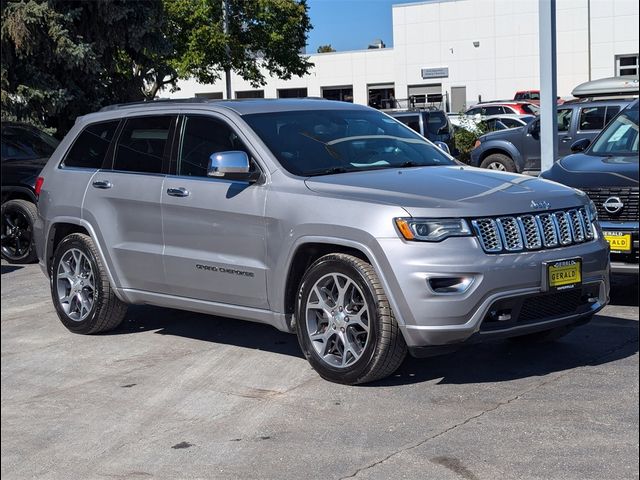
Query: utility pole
{"x": 548, "y": 84}
{"x": 225, "y": 30}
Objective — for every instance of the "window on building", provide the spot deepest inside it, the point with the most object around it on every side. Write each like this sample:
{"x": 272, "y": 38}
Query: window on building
{"x": 626, "y": 65}
{"x": 90, "y": 148}
{"x": 342, "y": 94}
{"x": 292, "y": 93}
{"x": 382, "y": 96}
{"x": 250, "y": 94}
{"x": 210, "y": 95}
{"x": 141, "y": 144}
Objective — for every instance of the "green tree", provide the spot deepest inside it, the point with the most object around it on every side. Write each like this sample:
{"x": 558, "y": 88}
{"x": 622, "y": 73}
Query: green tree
{"x": 326, "y": 48}
{"x": 61, "y": 59}
{"x": 264, "y": 35}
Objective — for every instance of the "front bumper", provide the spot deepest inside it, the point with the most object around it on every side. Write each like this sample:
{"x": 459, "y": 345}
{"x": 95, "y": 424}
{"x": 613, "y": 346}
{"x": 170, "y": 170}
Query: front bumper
{"x": 428, "y": 318}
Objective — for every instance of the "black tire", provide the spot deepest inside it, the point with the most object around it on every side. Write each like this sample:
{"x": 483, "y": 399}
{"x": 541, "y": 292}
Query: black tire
{"x": 107, "y": 310}
{"x": 385, "y": 348}
{"x": 18, "y": 217}
{"x": 499, "y": 161}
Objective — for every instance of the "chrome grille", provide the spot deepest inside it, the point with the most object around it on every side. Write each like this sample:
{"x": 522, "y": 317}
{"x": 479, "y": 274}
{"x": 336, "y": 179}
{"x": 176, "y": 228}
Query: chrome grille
{"x": 487, "y": 231}
{"x": 529, "y": 226}
{"x": 510, "y": 233}
{"x": 533, "y": 232}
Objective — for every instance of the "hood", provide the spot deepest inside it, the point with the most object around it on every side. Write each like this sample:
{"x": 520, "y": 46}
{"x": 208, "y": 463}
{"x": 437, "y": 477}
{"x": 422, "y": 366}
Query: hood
{"x": 582, "y": 170}
{"x": 447, "y": 191}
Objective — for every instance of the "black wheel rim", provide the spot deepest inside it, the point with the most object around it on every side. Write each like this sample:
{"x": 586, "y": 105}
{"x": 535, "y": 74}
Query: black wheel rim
{"x": 16, "y": 234}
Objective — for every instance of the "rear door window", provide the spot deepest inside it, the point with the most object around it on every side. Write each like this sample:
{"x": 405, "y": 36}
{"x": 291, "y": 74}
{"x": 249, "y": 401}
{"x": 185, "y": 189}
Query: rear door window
{"x": 91, "y": 146}
{"x": 592, "y": 118}
{"x": 493, "y": 111}
{"x": 142, "y": 145}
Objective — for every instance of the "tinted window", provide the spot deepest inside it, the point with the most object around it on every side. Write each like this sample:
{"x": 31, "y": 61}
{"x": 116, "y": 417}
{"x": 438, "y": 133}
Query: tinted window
{"x": 141, "y": 144}
{"x": 435, "y": 122}
{"x": 90, "y": 148}
{"x": 529, "y": 108}
{"x": 201, "y": 137}
{"x": 325, "y": 142}
{"x": 592, "y": 118}
{"x": 411, "y": 121}
{"x": 24, "y": 142}
{"x": 510, "y": 122}
{"x": 564, "y": 119}
{"x": 474, "y": 111}
{"x": 493, "y": 111}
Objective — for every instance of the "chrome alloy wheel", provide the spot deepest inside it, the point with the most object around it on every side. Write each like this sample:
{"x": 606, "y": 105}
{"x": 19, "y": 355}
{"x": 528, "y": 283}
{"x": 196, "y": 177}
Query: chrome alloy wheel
{"x": 338, "y": 320}
{"x": 497, "y": 166}
{"x": 75, "y": 284}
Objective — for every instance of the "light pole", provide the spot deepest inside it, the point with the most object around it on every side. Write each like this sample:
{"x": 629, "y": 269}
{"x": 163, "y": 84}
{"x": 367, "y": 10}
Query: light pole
{"x": 548, "y": 84}
{"x": 225, "y": 30}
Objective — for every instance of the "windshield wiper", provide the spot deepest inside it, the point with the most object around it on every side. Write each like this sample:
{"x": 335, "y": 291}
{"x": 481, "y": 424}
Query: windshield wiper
{"x": 329, "y": 171}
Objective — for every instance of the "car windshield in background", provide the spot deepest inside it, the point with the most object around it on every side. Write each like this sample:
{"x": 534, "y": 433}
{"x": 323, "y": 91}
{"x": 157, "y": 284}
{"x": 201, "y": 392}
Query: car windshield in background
{"x": 323, "y": 142}
{"x": 26, "y": 143}
{"x": 620, "y": 137}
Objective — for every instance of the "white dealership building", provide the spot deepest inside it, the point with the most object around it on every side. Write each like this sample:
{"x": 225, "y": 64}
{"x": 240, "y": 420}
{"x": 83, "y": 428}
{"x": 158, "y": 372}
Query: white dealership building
{"x": 461, "y": 51}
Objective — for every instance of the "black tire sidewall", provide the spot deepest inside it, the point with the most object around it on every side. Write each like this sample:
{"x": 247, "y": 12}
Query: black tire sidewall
{"x": 501, "y": 158}
{"x": 351, "y": 374}
{"x": 19, "y": 205}
{"x": 88, "y": 324}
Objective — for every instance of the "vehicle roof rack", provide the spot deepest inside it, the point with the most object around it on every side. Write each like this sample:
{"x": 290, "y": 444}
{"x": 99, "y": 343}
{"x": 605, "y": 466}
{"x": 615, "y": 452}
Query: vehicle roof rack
{"x": 157, "y": 103}
{"x": 607, "y": 87}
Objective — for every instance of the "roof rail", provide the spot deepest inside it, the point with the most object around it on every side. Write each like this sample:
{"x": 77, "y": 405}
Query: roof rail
{"x": 156, "y": 103}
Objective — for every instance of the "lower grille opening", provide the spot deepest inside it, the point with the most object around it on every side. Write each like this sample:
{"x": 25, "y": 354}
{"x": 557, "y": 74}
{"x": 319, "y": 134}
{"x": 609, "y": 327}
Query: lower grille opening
{"x": 528, "y": 309}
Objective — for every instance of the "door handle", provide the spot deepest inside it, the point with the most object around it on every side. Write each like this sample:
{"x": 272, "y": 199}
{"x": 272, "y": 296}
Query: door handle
{"x": 566, "y": 139}
{"x": 178, "y": 192}
{"x": 102, "y": 184}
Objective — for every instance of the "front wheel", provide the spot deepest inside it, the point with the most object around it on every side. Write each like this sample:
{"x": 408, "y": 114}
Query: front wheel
{"x": 345, "y": 326}
{"x": 500, "y": 162}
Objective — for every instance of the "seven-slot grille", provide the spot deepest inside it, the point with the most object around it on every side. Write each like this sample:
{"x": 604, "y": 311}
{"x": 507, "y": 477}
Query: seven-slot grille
{"x": 533, "y": 232}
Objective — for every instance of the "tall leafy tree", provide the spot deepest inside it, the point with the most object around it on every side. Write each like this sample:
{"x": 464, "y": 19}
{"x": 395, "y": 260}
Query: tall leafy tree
{"x": 264, "y": 35}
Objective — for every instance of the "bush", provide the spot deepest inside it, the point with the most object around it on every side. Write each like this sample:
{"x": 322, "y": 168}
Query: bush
{"x": 466, "y": 134}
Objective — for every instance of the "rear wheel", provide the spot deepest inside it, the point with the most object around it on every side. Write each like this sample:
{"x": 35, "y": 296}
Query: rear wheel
{"x": 18, "y": 217}
{"x": 499, "y": 161}
{"x": 80, "y": 289}
{"x": 346, "y": 328}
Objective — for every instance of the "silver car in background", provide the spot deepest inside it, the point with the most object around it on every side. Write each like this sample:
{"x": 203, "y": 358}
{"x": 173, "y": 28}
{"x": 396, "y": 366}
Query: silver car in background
{"x": 327, "y": 219}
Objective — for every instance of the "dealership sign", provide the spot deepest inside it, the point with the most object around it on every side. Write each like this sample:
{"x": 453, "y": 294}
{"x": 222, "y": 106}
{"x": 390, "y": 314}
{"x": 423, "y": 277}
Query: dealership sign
{"x": 442, "y": 72}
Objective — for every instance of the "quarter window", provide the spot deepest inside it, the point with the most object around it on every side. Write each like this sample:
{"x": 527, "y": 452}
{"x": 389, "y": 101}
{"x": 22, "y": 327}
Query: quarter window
{"x": 91, "y": 146}
{"x": 142, "y": 143}
{"x": 411, "y": 121}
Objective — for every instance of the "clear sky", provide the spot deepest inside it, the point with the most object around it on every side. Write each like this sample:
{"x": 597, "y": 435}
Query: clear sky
{"x": 350, "y": 24}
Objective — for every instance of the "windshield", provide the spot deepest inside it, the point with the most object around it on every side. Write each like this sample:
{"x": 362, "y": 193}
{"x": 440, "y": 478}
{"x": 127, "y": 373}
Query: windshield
{"x": 25, "y": 143}
{"x": 322, "y": 142}
{"x": 620, "y": 137}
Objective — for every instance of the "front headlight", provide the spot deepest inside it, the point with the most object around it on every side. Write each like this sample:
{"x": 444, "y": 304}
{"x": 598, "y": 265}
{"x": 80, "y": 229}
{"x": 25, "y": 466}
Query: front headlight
{"x": 593, "y": 211}
{"x": 432, "y": 229}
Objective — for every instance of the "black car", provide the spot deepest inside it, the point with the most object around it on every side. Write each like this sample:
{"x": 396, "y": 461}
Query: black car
{"x": 432, "y": 124}
{"x": 607, "y": 171}
{"x": 25, "y": 150}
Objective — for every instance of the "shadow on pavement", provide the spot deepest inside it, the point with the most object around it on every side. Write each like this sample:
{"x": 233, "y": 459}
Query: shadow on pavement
{"x": 604, "y": 339}
{"x": 10, "y": 268}
{"x": 624, "y": 290}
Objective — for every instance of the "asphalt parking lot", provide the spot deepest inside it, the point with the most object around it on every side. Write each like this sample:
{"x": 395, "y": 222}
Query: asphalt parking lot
{"x": 173, "y": 394}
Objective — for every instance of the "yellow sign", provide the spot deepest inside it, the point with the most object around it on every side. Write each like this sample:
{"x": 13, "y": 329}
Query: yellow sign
{"x": 618, "y": 242}
{"x": 564, "y": 273}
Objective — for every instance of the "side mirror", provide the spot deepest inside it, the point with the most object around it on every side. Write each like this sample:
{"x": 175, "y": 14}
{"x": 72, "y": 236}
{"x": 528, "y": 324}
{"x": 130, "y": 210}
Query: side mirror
{"x": 534, "y": 127}
{"x": 222, "y": 163}
{"x": 580, "y": 145}
{"x": 443, "y": 146}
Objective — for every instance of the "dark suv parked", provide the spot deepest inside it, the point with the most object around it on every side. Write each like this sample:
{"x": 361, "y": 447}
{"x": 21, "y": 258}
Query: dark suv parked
{"x": 518, "y": 149}
{"x": 434, "y": 125}
{"x": 607, "y": 170}
{"x": 25, "y": 150}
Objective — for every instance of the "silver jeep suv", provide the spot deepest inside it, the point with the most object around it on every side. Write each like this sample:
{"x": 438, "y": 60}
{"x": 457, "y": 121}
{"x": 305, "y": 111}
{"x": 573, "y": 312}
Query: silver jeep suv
{"x": 327, "y": 219}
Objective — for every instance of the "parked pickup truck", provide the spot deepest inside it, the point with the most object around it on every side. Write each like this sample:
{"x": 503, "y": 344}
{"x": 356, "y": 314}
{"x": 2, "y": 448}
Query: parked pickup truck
{"x": 518, "y": 149}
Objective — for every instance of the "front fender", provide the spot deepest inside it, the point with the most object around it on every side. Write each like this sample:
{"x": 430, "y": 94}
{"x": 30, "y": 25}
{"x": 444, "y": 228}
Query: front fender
{"x": 497, "y": 146}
